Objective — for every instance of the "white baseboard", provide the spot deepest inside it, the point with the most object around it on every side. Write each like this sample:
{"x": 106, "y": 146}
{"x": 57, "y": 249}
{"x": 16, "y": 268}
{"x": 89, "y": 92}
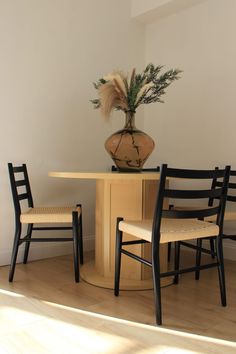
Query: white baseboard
{"x": 46, "y": 250}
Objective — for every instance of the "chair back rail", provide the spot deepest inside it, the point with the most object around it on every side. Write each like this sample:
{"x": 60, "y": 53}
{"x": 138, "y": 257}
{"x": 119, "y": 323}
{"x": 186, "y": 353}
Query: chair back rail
{"x": 230, "y": 197}
{"x": 17, "y": 184}
{"x": 231, "y": 188}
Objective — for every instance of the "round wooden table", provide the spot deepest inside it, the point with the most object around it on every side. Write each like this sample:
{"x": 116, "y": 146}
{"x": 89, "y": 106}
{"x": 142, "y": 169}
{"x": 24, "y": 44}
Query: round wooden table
{"x": 132, "y": 196}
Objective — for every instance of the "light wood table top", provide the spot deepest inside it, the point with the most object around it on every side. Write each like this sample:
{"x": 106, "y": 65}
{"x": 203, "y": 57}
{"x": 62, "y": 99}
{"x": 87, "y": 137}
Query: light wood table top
{"x": 107, "y": 175}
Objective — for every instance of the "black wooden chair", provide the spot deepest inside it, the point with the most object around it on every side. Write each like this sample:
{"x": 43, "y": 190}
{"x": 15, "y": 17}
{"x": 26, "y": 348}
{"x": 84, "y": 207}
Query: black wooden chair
{"x": 21, "y": 193}
{"x": 175, "y": 226}
{"x": 229, "y": 225}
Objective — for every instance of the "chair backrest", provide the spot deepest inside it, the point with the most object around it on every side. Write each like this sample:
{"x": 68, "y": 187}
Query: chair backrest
{"x": 231, "y": 187}
{"x": 219, "y": 192}
{"x": 20, "y": 186}
{"x": 150, "y": 169}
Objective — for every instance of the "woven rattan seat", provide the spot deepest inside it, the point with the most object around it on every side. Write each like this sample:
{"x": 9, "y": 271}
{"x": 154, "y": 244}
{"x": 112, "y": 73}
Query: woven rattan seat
{"x": 39, "y": 215}
{"x": 171, "y": 229}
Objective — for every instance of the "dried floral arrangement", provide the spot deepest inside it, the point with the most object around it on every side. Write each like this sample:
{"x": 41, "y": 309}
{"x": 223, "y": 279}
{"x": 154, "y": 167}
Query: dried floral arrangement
{"x": 123, "y": 92}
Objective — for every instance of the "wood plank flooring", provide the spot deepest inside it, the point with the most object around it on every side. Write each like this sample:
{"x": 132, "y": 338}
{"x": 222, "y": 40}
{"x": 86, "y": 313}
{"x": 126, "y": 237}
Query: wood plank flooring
{"x": 44, "y": 291}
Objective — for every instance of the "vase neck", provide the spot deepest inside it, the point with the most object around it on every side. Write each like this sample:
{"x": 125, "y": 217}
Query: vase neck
{"x": 130, "y": 120}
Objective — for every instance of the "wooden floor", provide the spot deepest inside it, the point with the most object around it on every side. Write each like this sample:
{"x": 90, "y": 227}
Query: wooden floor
{"x": 44, "y": 296}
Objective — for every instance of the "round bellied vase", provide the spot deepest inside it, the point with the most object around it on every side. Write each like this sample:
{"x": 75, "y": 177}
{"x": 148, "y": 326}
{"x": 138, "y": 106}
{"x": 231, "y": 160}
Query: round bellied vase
{"x": 129, "y": 147}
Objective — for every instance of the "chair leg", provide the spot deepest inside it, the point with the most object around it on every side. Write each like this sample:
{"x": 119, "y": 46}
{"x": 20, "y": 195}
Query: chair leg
{"x": 212, "y": 247}
{"x": 76, "y": 244}
{"x": 198, "y": 258}
{"x": 81, "y": 248}
{"x": 27, "y": 244}
{"x": 169, "y": 243}
{"x": 14, "y": 252}
{"x": 119, "y": 236}
{"x": 177, "y": 257}
{"x": 169, "y": 251}
{"x": 221, "y": 272}
{"x": 157, "y": 285}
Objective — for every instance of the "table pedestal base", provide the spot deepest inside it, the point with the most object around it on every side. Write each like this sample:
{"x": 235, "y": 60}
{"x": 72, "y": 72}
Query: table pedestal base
{"x": 89, "y": 274}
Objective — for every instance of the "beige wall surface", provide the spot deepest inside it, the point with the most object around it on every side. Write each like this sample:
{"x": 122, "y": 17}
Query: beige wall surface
{"x": 51, "y": 52}
{"x": 196, "y": 126}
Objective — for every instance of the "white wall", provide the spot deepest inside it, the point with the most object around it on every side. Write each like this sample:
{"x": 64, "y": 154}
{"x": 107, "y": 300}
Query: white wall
{"x": 51, "y": 52}
{"x": 196, "y": 126}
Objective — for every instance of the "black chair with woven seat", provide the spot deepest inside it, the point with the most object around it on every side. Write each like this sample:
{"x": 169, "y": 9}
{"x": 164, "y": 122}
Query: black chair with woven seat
{"x": 175, "y": 226}
{"x": 229, "y": 226}
{"x": 21, "y": 193}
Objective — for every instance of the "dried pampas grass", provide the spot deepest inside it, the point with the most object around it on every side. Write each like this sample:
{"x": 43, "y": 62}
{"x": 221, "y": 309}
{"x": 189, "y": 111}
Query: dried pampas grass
{"x": 111, "y": 96}
{"x": 119, "y": 78}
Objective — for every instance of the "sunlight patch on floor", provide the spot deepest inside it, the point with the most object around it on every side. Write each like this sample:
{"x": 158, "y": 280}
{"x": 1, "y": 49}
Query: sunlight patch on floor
{"x": 10, "y": 293}
{"x": 53, "y": 328}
